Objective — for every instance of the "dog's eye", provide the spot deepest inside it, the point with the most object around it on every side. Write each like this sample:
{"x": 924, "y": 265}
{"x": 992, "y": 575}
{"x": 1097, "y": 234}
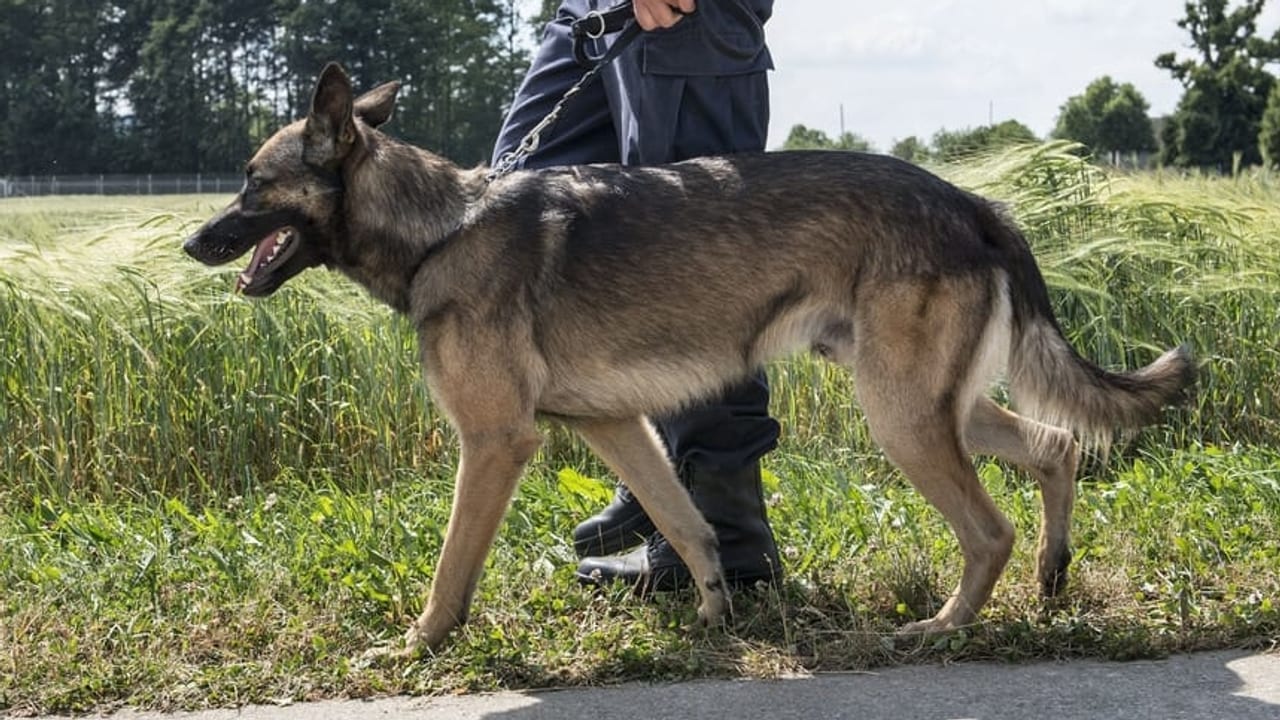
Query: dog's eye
{"x": 253, "y": 177}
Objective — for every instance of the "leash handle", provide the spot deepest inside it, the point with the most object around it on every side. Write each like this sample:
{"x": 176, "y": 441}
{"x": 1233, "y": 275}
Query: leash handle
{"x": 595, "y": 25}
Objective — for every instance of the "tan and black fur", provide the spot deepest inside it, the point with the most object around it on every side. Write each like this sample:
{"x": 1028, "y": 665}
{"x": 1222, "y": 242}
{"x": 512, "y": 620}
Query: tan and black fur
{"x": 597, "y": 295}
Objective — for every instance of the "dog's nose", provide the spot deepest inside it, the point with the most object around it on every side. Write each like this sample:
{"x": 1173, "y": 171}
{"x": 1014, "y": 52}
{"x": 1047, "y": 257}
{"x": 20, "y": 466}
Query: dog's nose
{"x": 203, "y": 248}
{"x": 191, "y": 246}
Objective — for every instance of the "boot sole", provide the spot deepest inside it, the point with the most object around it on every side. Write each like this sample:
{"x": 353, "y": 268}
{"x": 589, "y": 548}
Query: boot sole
{"x": 667, "y": 581}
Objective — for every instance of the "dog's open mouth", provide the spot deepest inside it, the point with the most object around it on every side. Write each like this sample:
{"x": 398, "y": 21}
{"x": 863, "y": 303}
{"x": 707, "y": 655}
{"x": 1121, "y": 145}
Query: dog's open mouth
{"x": 271, "y": 253}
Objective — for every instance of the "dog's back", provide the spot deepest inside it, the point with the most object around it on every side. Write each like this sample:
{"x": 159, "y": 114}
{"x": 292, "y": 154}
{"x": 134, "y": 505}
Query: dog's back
{"x": 706, "y": 269}
{"x": 682, "y": 278}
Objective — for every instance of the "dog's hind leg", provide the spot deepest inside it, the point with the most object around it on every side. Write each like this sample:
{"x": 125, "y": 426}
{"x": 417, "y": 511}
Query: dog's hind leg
{"x": 1051, "y": 455}
{"x": 631, "y": 449}
{"x": 928, "y": 452}
{"x": 915, "y": 359}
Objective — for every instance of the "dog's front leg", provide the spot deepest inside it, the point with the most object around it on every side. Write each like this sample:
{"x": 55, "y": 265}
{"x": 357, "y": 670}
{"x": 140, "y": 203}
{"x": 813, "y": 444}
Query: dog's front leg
{"x": 487, "y": 476}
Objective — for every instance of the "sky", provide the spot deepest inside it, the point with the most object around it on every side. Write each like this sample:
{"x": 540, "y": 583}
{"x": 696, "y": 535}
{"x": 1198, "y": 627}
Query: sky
{"x": 911, "y": 67}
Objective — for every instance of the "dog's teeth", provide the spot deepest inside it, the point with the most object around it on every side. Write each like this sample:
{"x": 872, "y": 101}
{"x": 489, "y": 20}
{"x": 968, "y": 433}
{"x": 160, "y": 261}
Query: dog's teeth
{"x": 245, "y": 278}
{"x": 282, "y": 239}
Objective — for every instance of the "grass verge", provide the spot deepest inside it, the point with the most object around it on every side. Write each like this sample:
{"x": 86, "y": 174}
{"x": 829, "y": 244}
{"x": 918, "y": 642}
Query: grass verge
{"x": 269, "y": 597}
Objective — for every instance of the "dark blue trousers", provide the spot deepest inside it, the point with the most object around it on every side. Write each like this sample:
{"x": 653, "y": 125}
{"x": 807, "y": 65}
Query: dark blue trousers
{"x": 699, "y": 88}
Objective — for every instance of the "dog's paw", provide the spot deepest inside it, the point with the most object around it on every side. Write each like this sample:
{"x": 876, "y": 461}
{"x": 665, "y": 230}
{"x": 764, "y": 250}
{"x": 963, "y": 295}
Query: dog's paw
{"x": 1053, "y": 572}
{"x": 715, "y": 604}
{"x": 708, "y": 618}
{"x": 922, "y": 629}
{"x": 394, "y": 653}
{"x": 381, "y": 657}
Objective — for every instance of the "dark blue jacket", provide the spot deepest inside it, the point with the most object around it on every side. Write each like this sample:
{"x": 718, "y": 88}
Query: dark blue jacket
{"x": 724, "y": 37}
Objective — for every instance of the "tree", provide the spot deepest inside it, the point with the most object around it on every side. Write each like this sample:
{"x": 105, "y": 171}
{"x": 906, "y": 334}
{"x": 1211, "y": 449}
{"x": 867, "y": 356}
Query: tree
{"x": 912, "y": 149}
{"x": 51, "y": 66}
{"x": 456, "y": 59}
{"x": 167, "y": 92}
{"x": 195, "y": 85}
{"x": 805, "y": 138}
{"x": 951, "y": 145}
{"x": 1108, "y": 119}
{"x": 1269, "y": 136}
{"x": 1226, "y": 86}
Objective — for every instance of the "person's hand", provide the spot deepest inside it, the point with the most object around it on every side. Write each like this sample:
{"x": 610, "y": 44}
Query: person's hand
{"x": 654, "y": 14}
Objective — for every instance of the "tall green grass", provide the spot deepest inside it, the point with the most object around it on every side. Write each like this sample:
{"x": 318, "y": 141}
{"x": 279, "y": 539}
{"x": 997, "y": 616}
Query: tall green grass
{"x": 1139, "y": 262}
{"x": 129, "y": 368}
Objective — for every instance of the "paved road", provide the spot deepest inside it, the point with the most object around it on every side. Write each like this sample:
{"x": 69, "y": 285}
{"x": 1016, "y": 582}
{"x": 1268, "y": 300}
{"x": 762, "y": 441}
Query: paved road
{"x": 1230, "y": 685}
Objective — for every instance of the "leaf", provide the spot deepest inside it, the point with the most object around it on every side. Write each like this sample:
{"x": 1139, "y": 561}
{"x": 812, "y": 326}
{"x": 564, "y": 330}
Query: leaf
{"x": 573, "y": 483}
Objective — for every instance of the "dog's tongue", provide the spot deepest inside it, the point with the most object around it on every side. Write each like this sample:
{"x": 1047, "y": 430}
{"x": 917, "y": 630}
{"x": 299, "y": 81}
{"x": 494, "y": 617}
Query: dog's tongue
{"x": 260, "y": 255}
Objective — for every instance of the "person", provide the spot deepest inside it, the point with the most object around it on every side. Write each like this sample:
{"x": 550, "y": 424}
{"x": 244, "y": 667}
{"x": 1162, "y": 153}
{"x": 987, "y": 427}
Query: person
{"x": 693, "y": 84}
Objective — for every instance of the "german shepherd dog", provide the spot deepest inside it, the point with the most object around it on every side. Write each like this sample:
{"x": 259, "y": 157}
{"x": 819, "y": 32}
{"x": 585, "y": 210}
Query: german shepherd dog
{"x": 597, "y": 295}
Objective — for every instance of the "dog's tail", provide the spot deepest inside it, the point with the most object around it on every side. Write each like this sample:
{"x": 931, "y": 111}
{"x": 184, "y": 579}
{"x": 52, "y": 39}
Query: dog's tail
{"x": 1051, "y": 382}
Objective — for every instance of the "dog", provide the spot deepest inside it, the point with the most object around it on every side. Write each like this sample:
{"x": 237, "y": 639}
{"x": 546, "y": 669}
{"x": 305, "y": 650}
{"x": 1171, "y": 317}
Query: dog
{"x": 597, "y": 295}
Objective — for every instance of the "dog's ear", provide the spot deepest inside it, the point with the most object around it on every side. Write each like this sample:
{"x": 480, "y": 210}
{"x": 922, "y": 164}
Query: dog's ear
{"x": 375, "y": 107}
{"x": 330, "y": 130}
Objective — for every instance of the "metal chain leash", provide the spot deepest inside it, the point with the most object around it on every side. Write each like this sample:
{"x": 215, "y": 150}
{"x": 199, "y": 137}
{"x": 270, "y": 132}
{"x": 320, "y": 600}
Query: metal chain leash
{"x": 509, "y": 161}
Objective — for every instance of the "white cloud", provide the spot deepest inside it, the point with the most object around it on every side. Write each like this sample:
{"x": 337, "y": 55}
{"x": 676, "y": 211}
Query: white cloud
{"x": 915, "y": 66}
{"x": 875, "y": 39}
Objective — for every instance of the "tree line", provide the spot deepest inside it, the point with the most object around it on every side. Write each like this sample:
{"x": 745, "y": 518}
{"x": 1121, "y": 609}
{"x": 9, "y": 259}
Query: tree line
{"x": 1228, "y": 116}
{"x": 90, "y": 86}
{"x": 945, "y": 145}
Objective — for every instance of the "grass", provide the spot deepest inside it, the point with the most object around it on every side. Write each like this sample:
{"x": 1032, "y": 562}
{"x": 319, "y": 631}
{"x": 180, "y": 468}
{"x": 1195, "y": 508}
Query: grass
{"x": 209, "y": 501}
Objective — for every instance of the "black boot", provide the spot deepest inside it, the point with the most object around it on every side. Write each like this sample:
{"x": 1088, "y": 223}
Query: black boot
{"x": 734, "y": 505}
{"x": 622, "y": 524}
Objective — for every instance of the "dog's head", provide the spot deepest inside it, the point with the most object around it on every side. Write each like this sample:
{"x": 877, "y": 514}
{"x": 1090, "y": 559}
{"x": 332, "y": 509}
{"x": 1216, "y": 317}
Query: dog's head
{"x": 290, "y": 208}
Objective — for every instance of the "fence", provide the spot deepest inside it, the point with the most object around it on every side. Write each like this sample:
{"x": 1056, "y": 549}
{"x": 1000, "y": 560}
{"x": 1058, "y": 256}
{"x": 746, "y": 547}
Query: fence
{"x": 29, "y": 185}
